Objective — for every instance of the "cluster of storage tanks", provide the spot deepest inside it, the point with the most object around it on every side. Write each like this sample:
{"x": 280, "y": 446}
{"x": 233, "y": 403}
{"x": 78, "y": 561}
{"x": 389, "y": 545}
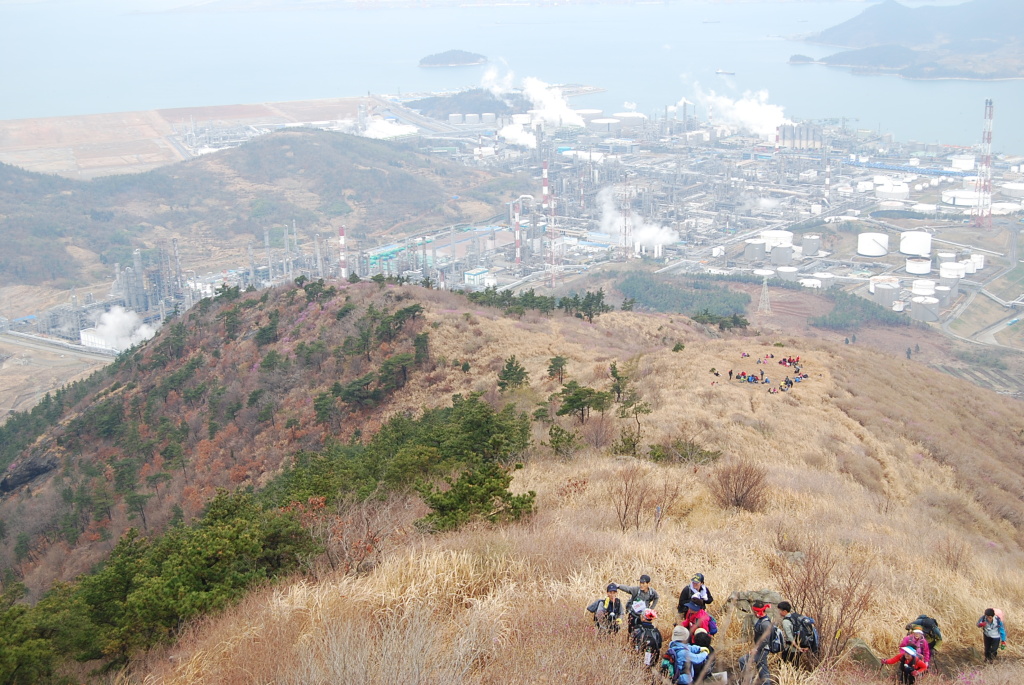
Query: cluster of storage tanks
{"x": 927, "y": 296}
{"x": 777, "y": 248}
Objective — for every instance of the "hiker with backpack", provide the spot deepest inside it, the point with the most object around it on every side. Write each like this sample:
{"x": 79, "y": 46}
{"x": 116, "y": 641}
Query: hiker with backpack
{"x": 697, "y": 618}
{"x": 703, "y": 672}
{"x": 696, "y": 588}
{"x": 641, "y": 597}
{"x": 681, "y": 657}
{"x": 799, "y": 634}
{"x": 910, "y": 665}
{"x": 607, "y": 611}
{"x": 767, "y": 640}
{"x": 646, "y": 638}
{"x": 994, "y": 633}
{"x": 931, "y": 631}
{"x": 915, "y": 638}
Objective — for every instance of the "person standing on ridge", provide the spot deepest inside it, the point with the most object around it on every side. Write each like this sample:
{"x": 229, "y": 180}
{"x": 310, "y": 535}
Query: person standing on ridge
{"x": 639, "y": 593}
{"x": 994, "y": 633}
{"x": 791, "y": 650}
{"x": 696, "y": 588}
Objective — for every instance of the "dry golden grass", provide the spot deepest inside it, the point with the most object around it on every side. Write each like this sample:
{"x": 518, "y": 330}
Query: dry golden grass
{"x": 918, "y": 474}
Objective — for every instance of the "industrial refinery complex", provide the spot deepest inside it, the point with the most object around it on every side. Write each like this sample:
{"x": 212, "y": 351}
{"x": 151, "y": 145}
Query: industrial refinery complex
{"x": 817, "y": 204}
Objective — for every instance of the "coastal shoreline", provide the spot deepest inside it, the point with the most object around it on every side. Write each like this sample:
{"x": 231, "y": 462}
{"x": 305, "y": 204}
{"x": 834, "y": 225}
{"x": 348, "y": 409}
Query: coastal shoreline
{"x": 861, "y": 70}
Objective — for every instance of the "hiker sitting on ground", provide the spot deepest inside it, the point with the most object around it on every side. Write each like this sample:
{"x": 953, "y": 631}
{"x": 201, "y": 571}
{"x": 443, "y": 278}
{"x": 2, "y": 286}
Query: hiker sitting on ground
{"x": 915, "y": 639}
{"x": 641, "y": 597}
{"x": 646, "y": 638}
{"x": 696, "y": 588}
{"x": 994, "y": 632}
{"x": 910, "y": 665}
{"x": 607, "y": 611}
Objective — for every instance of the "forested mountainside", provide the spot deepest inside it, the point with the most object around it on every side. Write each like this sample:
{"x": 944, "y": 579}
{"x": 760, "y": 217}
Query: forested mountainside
{"x": 317, "y": 179}
{"x": 325, "y": 436}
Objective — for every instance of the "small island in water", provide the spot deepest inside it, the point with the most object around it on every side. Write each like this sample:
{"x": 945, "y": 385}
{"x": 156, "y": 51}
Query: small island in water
{"x": 453, "y": 58}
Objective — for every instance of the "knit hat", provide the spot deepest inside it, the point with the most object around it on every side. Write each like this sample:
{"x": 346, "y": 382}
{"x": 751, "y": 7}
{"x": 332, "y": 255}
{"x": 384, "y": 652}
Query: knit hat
{"x": 910, "y": 650}
{"x": 680, "y": 634}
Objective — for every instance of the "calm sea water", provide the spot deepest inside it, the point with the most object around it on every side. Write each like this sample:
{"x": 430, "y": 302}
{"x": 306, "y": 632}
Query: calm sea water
{"x": 66, "y": 57}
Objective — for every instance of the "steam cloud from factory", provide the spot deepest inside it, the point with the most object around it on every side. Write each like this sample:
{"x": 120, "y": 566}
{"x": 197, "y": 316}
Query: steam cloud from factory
{"x": 120, "y": 328}
{"x": 752, "y": 112}
{"x": 550, "y": 105}
{"x": 613, "y": 222}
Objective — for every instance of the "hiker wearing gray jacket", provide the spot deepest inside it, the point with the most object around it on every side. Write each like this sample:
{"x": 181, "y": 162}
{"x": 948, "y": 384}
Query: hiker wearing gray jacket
{"x": 639, "y": 593}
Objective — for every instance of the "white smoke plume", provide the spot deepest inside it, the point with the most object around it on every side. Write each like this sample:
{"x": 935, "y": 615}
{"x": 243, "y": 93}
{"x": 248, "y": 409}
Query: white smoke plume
{"x": 550, "y": 104}
{"x": 516, "y": 134}
{"x": 382, "y": 129}
{"x": 121, "y": 328}
{"x": 750, "y": 113}
{"x": 613, "y": 222}
{"x": 629, "y": 106}
{"x": 498, "y": 79}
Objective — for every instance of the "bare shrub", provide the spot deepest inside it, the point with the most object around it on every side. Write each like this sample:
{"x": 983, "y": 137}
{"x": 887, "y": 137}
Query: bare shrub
{"x": 833, "y": 587}
{"x": 740, "y": 484}
{"x": 665, "y": 498}
{"x": 599, "y": 431}
{"x": 631, "y": 493}
{"x": 952, "y": 553}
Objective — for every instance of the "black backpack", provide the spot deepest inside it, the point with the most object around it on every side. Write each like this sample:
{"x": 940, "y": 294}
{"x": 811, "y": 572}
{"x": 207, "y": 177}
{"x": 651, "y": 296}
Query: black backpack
{"x": 647, "y": 639}
{"x": 805, "y": 633}
{"x": 930, "y": 627}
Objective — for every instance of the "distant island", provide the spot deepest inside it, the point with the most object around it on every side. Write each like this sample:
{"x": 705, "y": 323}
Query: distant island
{"x": 977, "y": 40}
{"x": 453, "y": 58}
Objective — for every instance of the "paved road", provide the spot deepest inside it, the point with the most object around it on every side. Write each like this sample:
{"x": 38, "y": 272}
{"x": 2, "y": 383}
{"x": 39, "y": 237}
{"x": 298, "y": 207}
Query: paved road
{"x": 33, "y": 344}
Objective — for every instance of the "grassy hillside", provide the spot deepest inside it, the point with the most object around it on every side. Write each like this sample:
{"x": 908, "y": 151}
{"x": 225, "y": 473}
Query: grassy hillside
{"x": 64, "y": 232}
{"x": 926, "y": 472}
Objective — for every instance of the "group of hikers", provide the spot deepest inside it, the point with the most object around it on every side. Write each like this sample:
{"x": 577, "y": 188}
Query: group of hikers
{"x": 760, "y": 378}
{"x": 689, "y": 656}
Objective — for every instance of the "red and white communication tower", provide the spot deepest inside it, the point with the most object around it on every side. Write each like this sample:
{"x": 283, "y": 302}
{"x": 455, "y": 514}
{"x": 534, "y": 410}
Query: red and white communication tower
{"x": 344, "y": 253}
{"x": 982, "y": 212}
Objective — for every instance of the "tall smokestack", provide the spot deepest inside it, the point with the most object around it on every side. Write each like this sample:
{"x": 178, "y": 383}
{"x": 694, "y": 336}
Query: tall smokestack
{"x": 319, "y": 258}
{"x": 270, "y": 264}
{"x": 344, "y": 253}
{"x": 516, "y": 209}
{"x": 544, "y": 190}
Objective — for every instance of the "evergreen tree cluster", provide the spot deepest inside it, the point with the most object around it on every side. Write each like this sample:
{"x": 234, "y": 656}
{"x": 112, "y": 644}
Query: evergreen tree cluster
{"x": 850, "y": 312}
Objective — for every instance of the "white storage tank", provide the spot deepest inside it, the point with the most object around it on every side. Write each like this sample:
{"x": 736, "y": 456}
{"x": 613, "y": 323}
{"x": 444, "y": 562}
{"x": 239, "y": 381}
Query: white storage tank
{"x": 916, "y": 243}
{"x": 946, "y": 257}
{"x": 787, "y": 273}
{"x": 782, "y": 254}
{"x": 454, "y": 118}
{"x": 979, "y": 261}
{"x": 873, "y": 244}
{"x": 764, "y": 273}
{"x": 472, "y": 119}
{"x": 924, "y": 309}
{"x": 959, "y": 197}
{"x": 962, "y": 162}
{"x": 893, "y": 191}
{"x": 924, "y": 208}
{"x": 827, "y": 279}
{"x": 488, "y": 118}
{"x": 631, "y": 120}
{"x": 922, "y": 286}
{"x": 1013, "y": 189}
{"x": 810, "y": 282}
{"x": 917, "y": 265}
{"x": 944, "y": 294}
{"x": 605, "y": 125}
{"x": 521, "y": 119}
{"x": 969, "y": 267}
{"x": 811, "y": 244}
{"x": 865, "y": 187}
{"x": 755, "y": 250}
{"x": 886, "y": 293}
{"x": 954, "y": 270}
{"x": 774, "y": 238}
{"x": 875, "y": 281}
{"x": 590, "y": 114}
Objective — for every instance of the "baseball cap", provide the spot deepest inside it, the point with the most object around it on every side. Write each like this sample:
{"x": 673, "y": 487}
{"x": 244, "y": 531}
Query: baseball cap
{"x": 645, "y": 578}
{"x": 612, "y": 587}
